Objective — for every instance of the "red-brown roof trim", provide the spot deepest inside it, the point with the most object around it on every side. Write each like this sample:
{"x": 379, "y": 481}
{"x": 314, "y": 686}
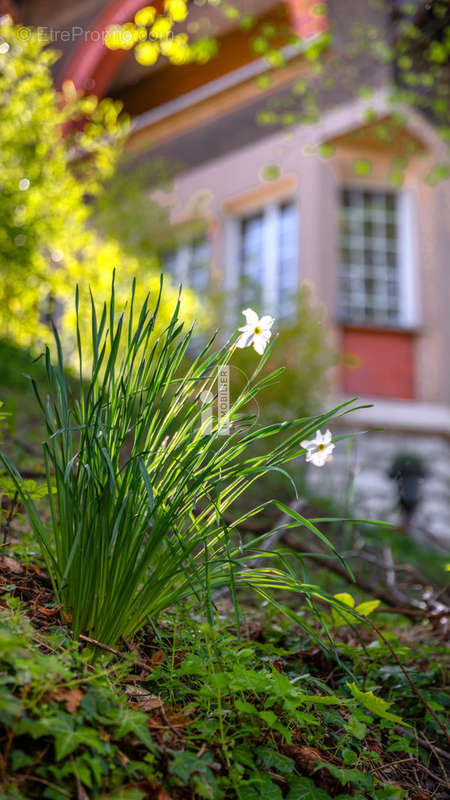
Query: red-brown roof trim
{"x": 92, "y": 66}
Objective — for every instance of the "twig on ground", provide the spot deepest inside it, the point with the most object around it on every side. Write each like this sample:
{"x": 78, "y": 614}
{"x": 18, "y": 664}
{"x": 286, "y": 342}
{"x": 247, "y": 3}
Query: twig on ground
{"x": 414, "y": 612}
{"x": 413, "y": 686}
{"x": 31, "y": 474}
{"x": 7, "y": 525}
{"x": 373, "y": 560}
{"x": 113, "y": 650}
{"x": 398, "y": 604}
{"x": 269, "y": 543}
{"x": 48, "y": 783}
{"x": 169, "y": 724}
{"x": 381, "y": 594}
{"x": 389, "y": 567}
{"x": 26, "y": 446}
{"x": 423, "y": 742}
{"x": 385, "y": 767}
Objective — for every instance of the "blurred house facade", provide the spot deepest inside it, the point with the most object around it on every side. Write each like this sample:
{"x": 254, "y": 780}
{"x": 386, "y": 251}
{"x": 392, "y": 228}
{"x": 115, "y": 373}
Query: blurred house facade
{"x": 283, "y": 201}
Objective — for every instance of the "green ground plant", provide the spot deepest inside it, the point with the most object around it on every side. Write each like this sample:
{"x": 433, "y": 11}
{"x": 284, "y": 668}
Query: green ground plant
{"x": 214, "y": 718}
{"x": 41, "y": 701}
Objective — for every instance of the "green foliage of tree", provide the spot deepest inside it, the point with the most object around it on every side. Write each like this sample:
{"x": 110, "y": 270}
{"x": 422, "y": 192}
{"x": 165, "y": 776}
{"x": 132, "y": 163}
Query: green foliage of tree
{"x": 409, "y": 44}
{"x": 56, "y": 153}
{"x": 415, "y": 52}
{"x": 143, "y": 225}
{"x": 152, "y": 35}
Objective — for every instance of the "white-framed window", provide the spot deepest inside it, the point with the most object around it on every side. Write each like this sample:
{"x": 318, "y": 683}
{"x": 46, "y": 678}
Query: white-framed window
{"x": 377, "y": 257}
{"x": 190, "y": 264}
{"x": 262, "y": 262}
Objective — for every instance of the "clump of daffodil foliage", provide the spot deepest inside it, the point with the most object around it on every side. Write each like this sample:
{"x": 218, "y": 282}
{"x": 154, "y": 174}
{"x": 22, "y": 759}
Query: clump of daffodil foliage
{"x": 47, "y": 239}
{"x": 145, "y": 463}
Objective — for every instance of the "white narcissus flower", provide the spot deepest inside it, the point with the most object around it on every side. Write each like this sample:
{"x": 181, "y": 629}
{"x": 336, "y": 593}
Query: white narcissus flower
{"x": 319, "y": 449}
{"x": 256, "y": 332}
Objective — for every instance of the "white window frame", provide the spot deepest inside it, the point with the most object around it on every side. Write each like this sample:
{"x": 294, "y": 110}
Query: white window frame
{"x": 182, "y": 260}
{"x": 232, "y": 283}
{"x": 408, "y": 263}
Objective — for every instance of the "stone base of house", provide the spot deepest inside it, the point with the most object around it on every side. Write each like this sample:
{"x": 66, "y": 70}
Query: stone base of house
{"x": 358, "y": 474}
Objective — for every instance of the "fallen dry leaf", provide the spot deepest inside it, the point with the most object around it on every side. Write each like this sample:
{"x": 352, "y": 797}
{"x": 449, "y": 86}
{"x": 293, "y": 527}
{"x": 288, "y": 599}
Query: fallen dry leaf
{"x": 305, "y": 757}
{"x": 150, "y": 702}
{"x": 48, "y": 612}
{"x": 176, "y": 720}
{"x": 162, "y": 794}
{"x": 11, "y": 565}
{"x": 71, "y": 697}
{"x": 157, "y": 658}
{"x": 123, "y": 758}
{"x": 141, "y": 698}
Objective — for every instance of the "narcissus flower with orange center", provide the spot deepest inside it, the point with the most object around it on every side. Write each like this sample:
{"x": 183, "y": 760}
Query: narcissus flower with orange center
{"x": 319, "y": 449}
{"x": 256, "y": 332}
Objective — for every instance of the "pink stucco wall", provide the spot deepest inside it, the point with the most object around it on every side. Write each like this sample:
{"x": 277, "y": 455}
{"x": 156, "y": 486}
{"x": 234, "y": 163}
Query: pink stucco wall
{"x": 222, "y": 187}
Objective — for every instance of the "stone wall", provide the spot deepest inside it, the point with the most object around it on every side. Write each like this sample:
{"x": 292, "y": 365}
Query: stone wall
{"x": 361, "y": 465}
